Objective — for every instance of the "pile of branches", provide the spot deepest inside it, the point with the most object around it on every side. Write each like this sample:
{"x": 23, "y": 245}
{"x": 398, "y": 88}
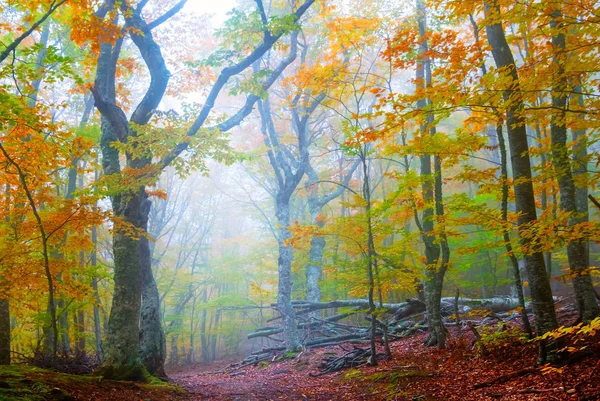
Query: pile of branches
{"x": 400, "y": 319}
{"x": 351, "y": 359}
{"x": 79, "y": 363}
{"x": 394, "y": 321}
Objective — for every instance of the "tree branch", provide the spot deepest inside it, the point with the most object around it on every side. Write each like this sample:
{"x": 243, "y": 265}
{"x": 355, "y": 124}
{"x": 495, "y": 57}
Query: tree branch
{"x": 223, "y": 78}
{"x": 28, "y": 32}
{"x": 166, "y": 16}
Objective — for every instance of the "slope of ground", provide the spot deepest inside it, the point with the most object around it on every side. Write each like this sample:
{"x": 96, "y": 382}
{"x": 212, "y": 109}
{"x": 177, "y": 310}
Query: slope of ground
{"x": 20, "y": 382}
{"x": 463, "y": 372}
{"x": 507, "y": 371}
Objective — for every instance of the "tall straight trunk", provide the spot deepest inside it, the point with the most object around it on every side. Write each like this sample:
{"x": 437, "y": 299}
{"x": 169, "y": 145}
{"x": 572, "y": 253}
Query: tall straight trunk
{"x": 214, "y": 337}
{"x": 153, "y": 347}
{"x": 580, "y": 171}
{"x": 79, "y": 315}
{"x": 517, "y": 281}
{"x": 174, "y": 356}
{"x": 543, "y": 303}
{"x": 314, "y": 269}
{"x": 203, "y": 320}
{"x": 97, "y": 325}
{"x": 518, "y": 284}
{"x": 4, "y": 332}
{"x": 435, "y": 269}
{"x": 576, "y": 249}
{"x": 5, "y": 304}
{"x": 371, "y": 261}
{"x": 63, "y": 322}
{"x": 544, "y": 194}
{"x": 191, "y": 357}
{"x": 122, "y": 350}
{"x": 284, "y": 268}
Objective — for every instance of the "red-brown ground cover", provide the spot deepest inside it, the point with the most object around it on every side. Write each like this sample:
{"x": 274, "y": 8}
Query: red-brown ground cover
{"x": 414, "y": 373}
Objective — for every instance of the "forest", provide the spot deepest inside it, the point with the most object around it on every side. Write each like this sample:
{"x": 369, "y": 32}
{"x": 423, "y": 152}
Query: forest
{"x": 299, "y": 200}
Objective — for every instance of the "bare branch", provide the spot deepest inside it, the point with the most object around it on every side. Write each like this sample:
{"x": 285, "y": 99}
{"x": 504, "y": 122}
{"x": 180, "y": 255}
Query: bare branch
{"x": 223, "y": 78}
{"x": 166, "y": 16}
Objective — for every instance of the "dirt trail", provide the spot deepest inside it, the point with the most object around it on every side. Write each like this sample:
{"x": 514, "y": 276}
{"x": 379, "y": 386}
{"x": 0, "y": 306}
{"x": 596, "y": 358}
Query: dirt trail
{"x": 281, "y": 381}
{"x": 415, "y": 373}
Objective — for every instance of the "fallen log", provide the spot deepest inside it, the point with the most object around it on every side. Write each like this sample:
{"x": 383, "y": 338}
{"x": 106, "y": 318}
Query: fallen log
{"x": 312, "y": 323}
{"x": 412, "y": 306}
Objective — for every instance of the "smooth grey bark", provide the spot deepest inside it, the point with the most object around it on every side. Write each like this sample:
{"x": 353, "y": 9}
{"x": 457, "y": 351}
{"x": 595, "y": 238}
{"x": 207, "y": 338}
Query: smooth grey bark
{"x": 122, "y": 352}
{"x": 288, "y": 170}
{"x": 437, "y": 252}
{"x": 122, "y": 359}
{"x": 284, "y": 269}
{"x": 576, "y": 249}
{"x": 517, "y": 282}
{"x": 580, "y": 159}
{"x": 541, "y": 293}
{"x": 287, "y": 179}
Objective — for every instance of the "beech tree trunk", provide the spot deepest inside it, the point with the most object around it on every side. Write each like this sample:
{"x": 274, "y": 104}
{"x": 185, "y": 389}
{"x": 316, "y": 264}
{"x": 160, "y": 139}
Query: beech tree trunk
{"x": 284, "y": 269}
{"x": 541, "y": 293}
{"x": 153, "y": 347}
{"x": 518, "y": 284}
{"x": 435, "y": 268}
{"x": 576, "y": 249}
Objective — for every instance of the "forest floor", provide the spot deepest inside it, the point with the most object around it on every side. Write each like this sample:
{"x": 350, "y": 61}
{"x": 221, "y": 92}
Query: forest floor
{"x": 414, "y": 373}
{"x": 461, "y": 372}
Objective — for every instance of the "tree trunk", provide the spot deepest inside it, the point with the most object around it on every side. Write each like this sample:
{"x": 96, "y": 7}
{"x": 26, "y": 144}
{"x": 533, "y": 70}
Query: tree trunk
{"x": 152, "y": 337}
{"x": 314, "y": 269}
{"x": 518, "y": 284}
{"x": 122, "y": 351}
{"x": 543, "y": 304}
{"x": 435, "y": 268}
{"x": 4, "y": 332}
{"x": 576, "y": 249}
{"x": 580, "y": 173}
{"x": 284, "y": 268}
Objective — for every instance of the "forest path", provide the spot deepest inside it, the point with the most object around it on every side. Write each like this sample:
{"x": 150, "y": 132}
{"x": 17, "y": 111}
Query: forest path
{"x": 280, "y": 381}
{"x": 415, "y": 373}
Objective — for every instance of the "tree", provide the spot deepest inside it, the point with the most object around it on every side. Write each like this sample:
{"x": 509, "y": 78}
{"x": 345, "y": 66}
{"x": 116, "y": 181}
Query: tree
{"x": 576, "y": 248}
{"x": 131, "y": 254}
{"x": 543, "y": 306}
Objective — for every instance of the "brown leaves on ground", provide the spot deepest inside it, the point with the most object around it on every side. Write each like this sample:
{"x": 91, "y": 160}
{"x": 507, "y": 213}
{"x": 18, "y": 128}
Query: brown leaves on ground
{"x": 509, "y": 373}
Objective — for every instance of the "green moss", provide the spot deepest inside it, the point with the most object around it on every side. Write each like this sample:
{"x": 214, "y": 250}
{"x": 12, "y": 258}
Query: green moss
{"x": 135, "y": 372}
{"x": 353, "y": 374}
{"x": 27, "y": 383}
